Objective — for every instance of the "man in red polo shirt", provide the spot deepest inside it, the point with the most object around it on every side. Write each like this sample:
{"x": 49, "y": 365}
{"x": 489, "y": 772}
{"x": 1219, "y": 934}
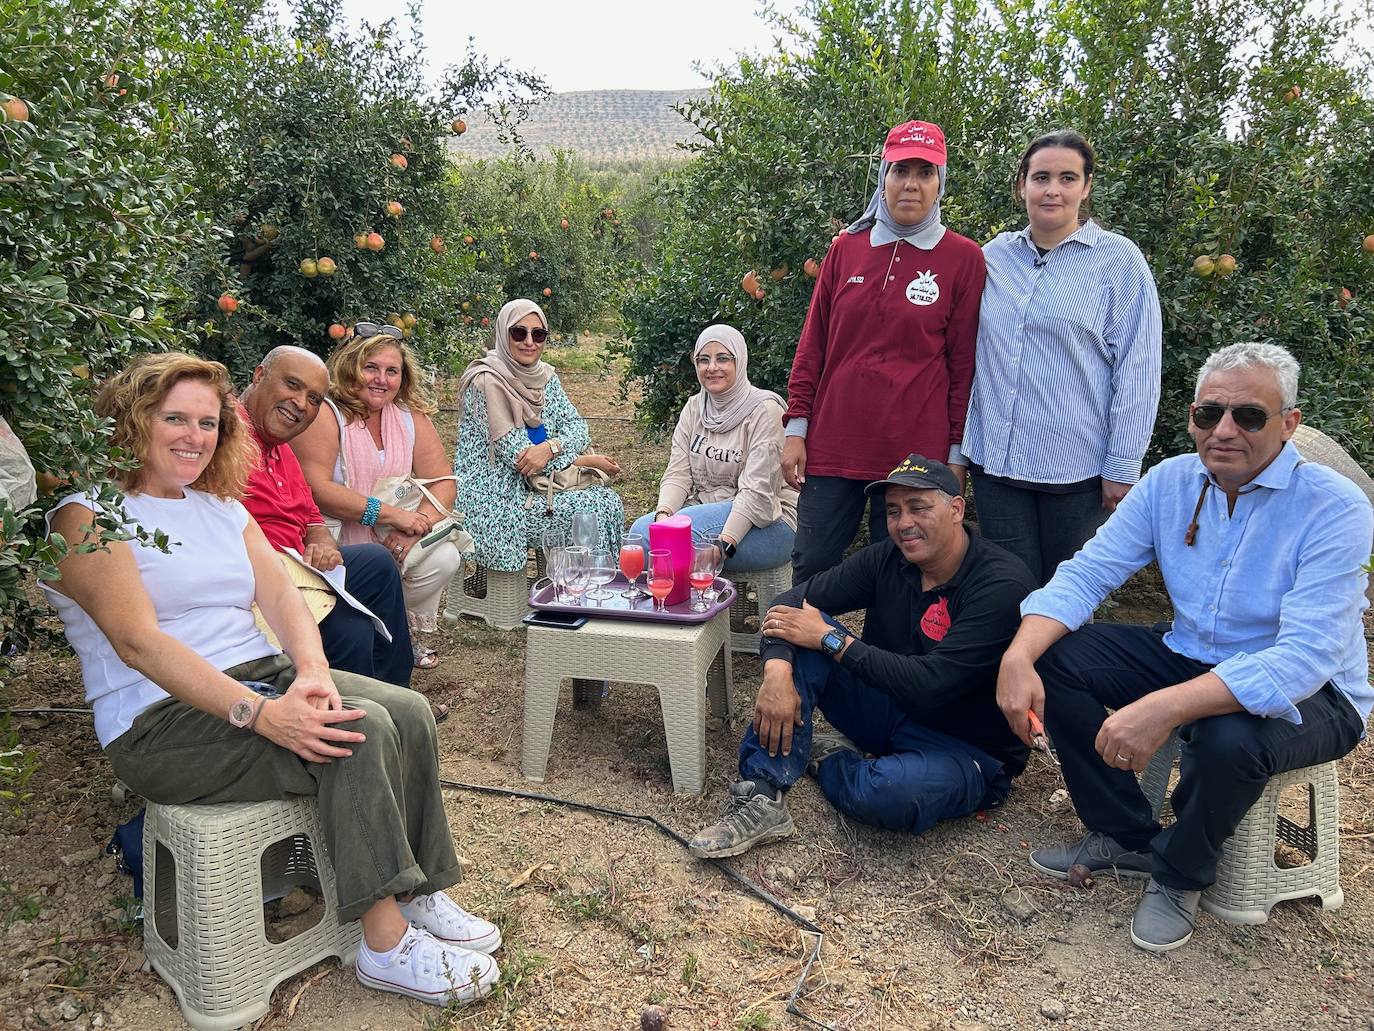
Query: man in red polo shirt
{"x": 283, "y": 399}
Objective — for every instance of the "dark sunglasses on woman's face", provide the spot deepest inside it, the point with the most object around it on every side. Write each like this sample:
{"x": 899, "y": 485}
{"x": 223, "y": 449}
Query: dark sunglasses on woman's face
{"x": 372, "y": 329}
{"x": 1250, "y": 418}
{"x": 538, "y": 334}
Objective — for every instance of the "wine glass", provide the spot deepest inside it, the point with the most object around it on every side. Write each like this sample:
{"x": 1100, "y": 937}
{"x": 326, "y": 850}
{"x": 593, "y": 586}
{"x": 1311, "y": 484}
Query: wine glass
{"x": 719, "y": 564}
{"x": 553, "y": 542}
{"x": 703, "y": 573}
{"x": 586, "y": 530}
{"x": 553, "y": 569}
{"x": 576, "y": 572}
{"x": 631, "y": 563}
{"x": 600, "y": 572}
{"x": 660, "y": 576}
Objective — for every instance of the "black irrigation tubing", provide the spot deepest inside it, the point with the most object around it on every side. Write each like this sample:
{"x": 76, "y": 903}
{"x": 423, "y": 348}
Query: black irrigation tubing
{"x": 663, "y": 828}
{"x": 621, "y": 814}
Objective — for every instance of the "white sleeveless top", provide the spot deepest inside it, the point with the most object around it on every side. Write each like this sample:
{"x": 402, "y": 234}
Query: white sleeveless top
{"x": 202, "y": 592}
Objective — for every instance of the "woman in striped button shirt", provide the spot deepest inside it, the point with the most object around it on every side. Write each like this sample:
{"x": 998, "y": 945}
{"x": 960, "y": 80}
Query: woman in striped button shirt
{"x": 1067, "y": 375}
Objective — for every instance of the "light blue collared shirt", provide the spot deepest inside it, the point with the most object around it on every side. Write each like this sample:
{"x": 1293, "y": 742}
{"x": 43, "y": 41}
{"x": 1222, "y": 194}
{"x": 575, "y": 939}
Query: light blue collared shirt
{"x": 1067, "y": 378}
{"x": 1272, "y": 593}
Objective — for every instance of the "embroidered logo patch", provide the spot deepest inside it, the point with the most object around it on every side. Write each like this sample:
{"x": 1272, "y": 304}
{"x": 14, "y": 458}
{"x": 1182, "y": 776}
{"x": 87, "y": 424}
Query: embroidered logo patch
{"x": 856, "y": 279}
{"x": 935, "y": 623}
{"x": 923, "y": 289}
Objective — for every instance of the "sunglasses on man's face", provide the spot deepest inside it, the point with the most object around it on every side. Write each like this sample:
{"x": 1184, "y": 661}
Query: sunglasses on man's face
{"x": 538, "y": 334}
{"x": 372, "y": 329}
{"x": 1250, "y": 418}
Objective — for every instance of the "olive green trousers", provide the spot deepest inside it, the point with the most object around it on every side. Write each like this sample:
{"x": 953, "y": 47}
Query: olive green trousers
{"x": 381, "y": 808}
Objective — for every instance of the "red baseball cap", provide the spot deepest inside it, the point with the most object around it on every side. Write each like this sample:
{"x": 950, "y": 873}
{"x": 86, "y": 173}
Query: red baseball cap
{"x": 923, "y": 140}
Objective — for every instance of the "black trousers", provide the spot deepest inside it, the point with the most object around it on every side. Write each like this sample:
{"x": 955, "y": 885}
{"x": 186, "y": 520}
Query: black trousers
{"x": 1225, "y": 761}
{"x": 351, "y": 642}
{"x": 1039, "y": 528}
{"x": 828, "y": 513}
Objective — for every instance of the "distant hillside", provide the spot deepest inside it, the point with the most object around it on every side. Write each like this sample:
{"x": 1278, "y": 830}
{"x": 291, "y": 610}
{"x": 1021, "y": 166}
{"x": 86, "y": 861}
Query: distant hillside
{"x": 600, "y": 125}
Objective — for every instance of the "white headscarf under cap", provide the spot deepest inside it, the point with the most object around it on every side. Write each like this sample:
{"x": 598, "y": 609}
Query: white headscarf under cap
{"x": 514, "y": 392}
{"x": 723, "y": 412}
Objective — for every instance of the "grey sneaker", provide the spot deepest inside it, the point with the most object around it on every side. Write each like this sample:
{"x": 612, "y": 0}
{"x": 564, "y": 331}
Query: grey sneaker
{"x": 826, "y": 744}
{"x": 1165, "y": 918}
{"x": 756, "y": 813}
{"x": 1094, "y": 850}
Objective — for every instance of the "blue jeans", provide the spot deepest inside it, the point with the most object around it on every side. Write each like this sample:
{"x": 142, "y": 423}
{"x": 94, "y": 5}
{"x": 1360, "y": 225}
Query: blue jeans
{"x": 920, "y": 776}
{"x": 1039, "y": 528}
{"x": 763, "y": 547}
{"x": 1224, "y": 764}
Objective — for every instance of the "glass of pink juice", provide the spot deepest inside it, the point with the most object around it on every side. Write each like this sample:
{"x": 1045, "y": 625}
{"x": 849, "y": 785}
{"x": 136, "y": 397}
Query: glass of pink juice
{"x": 660, "y": 576}
{"x": 631, "y": 563}
{"x": 703, "y": 573}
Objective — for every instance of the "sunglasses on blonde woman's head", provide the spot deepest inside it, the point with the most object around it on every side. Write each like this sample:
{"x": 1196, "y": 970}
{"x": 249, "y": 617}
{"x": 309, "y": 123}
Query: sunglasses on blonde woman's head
{"x": 539, "y": 334}
{"x": 1250, "y": 418}
{"x": 372, "y": 329}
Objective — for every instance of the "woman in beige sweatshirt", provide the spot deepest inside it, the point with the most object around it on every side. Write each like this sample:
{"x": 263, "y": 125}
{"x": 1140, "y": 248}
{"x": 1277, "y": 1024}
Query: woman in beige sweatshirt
{"x": 725, "y": 468}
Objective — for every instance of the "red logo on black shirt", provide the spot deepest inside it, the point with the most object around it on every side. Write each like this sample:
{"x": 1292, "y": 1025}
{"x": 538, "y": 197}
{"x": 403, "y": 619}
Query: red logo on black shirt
{"x": 935, "y": 623}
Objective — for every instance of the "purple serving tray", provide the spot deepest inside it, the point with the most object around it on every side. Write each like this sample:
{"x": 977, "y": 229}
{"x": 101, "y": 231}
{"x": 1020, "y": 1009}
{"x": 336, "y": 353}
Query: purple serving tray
{"x": 542, "y": 598}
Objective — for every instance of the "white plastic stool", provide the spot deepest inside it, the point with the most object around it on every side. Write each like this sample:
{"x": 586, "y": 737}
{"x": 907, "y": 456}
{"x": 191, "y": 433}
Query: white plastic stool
{"x": 207, "y": 871}
{"x": 1249, "y": 882}
{"x": 755, "y": 591}
{"x": 497, "y": 597}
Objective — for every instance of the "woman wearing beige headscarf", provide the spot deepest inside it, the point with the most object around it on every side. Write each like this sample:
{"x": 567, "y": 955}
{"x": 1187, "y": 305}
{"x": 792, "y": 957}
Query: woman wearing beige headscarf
{"x": 514, "y": 420}
{"x": 725, "y": 468}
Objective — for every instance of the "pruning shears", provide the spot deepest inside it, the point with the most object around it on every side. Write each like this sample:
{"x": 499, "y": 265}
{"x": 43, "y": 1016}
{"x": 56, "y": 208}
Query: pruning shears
{"x": 1039, "y": 741}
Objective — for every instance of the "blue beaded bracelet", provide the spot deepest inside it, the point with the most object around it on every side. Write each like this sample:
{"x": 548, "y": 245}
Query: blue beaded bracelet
{"x": 370, "y": 513}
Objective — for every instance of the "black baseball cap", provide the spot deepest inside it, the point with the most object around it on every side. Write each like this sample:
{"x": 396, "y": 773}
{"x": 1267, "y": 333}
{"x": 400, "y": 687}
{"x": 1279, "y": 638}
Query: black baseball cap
{"x": 919, "y": 473}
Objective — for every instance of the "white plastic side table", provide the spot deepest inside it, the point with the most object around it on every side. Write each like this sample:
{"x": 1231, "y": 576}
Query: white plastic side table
{"x": 685, "y": 662}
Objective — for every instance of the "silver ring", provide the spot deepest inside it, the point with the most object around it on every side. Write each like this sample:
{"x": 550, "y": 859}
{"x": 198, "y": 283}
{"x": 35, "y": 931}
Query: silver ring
{"x": 1122, "y": 758}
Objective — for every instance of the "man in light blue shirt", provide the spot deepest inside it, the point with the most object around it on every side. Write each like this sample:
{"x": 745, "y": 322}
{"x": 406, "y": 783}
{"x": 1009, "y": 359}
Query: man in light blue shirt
{"x": 1264, "y": 669}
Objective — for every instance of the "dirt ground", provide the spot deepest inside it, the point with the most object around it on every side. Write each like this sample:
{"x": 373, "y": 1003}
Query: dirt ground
{"x": 952, "y": 930}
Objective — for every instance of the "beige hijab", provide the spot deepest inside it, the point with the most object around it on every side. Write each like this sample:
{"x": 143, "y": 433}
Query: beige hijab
{"x": 514, "y": 392}
{"x": 722, "y": 413}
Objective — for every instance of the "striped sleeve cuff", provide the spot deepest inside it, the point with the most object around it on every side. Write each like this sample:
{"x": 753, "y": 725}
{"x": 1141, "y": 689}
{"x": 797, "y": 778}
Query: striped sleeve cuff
{"x": 1121, "y": 470}
{"x": 796, "y": 427}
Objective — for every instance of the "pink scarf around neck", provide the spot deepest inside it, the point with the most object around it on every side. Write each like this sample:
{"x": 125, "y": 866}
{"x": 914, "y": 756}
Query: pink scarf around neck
{"x": 364, "y": 466}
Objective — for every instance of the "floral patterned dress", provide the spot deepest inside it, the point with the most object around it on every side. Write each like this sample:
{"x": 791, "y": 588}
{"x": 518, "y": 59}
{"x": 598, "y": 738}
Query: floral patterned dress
{"x": 503, "y": 516}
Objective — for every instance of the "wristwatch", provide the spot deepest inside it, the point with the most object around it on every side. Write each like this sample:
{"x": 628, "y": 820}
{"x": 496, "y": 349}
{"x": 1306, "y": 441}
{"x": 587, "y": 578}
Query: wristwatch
{"x": 555, "y": 447}
{"x": 241, "y": 712}
{"x": 728, "y": 548}
{"x": 833, "y": 642}
{"x": 244, "y": 713}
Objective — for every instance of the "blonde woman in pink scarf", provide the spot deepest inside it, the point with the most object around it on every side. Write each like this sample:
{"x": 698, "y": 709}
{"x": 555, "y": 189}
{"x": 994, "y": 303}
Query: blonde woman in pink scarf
{"x": 381, "y": 427}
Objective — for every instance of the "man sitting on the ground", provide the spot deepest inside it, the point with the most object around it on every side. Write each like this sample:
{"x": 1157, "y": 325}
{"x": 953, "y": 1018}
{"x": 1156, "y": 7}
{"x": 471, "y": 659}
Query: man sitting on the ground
{"x": 916, "y": 692}
{"x": 1263, "y": 671}
{"x": 284, "y": 398}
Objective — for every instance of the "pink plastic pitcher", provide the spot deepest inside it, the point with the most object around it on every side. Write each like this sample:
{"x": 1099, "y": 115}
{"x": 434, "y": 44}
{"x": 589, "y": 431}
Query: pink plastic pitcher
{"x": 674, "y": 534}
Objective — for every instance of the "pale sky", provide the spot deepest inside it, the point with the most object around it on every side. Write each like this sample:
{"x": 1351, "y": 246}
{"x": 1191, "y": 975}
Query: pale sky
{"x": 623, "y": 44}
{"x": 592, "y": 44}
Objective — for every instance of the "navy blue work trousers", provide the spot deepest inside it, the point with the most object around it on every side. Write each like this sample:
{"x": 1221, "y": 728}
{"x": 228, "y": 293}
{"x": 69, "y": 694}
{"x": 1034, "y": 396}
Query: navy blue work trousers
{"x": 918, "y": 777}
{"x": 1224, "y": 761}
{"x": 351, "y": 641}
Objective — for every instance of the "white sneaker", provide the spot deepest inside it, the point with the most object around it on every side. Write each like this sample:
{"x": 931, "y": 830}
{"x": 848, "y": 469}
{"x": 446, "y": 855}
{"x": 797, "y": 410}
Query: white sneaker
{"x": 429, "y": 970}
{"x": 451, "y": 923}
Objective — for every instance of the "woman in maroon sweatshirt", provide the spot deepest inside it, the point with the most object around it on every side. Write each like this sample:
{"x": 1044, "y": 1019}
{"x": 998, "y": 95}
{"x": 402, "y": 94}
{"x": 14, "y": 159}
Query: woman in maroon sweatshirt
{"x": 885, "y": 361}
